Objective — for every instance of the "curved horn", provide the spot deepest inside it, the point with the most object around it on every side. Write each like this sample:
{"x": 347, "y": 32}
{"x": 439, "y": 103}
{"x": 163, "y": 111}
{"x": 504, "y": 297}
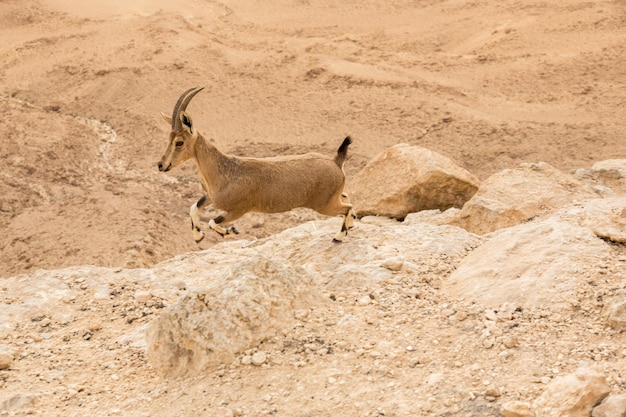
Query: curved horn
{"x": 177, "y": 105}
{"x": 181, "y": 105}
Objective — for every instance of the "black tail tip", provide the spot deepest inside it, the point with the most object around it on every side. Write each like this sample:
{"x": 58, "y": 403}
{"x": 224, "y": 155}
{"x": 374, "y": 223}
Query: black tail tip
{"x": 344, "y": 145}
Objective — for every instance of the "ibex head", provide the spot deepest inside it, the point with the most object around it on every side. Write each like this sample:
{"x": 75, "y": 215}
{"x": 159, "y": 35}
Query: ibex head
{"x": 182, "y": 136}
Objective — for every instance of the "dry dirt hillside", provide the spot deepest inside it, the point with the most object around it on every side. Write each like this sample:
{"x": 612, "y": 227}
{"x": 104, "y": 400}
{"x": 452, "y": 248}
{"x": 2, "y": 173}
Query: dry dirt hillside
{"x": 488, "y": 84}
{"x": 82, "y": 85}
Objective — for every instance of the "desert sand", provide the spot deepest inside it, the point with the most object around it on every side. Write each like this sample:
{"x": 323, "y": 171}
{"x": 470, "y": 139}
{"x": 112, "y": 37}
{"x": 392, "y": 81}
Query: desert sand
{"x": 489, "y": 86}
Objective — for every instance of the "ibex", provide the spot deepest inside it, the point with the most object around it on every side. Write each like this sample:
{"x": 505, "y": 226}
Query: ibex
{"x": 237, "y": 185}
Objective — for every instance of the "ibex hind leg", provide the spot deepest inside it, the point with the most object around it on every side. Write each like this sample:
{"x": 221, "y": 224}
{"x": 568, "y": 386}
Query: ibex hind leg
{"x": 194, "y": 211}
{"x": 215, "y": 225}
{"x": 348, "y": 218}
{"x": 351, "y": 215}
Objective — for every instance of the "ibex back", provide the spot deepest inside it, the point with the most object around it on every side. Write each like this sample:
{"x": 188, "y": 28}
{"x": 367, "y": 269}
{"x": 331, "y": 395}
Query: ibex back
{"x": 237, "y": 186}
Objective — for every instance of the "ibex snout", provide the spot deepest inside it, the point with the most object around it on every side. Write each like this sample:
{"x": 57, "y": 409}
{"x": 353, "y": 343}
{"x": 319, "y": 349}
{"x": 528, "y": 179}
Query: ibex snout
{"x": 163, "y": 168}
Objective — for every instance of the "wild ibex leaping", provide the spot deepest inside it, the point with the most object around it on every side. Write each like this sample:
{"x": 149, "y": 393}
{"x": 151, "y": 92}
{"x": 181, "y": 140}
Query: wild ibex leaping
{"x": 238, "y": 186}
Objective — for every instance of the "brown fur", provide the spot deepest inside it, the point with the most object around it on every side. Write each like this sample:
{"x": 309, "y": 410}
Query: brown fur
{"x": 239, "y": 185}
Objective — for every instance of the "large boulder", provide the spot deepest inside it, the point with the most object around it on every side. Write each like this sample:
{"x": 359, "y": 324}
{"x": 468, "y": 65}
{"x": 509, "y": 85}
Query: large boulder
{"x": 533, "y": 265}
{"x": 513, "y": 196}
{"x": 573, "y": 395}
{"x": 234, "y": 312}
{"x": 406, "y": 179}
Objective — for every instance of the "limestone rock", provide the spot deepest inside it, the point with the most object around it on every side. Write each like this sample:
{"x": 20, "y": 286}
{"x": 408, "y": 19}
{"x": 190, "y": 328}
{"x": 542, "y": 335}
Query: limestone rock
{"x": 405, "y": 179}
{"x": 5, "y": 361}
{"x": 10, "y": 403}
{"x": 39, "y": 295}
{"x": 516, "y": 409}
{"x": 6, "y": 357}
{"x": 259, "y": 358}
{"x": 572, "y": 395}
{"x": 530, "y": 265}
{"x": 610, "y": 174}
{"x": 612, "y": 406}
{"x": 513, "y": 196}
{"x": 234, "y": 312}
{"x": 615, "y": 311}
{"x": 605, "y": 216}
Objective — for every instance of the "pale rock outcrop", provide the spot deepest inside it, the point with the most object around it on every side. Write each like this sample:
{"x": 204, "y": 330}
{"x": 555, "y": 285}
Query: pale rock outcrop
{"x": 605, "y": 216}
{"x": 612, "y": 406}
{"x": 13, "y": 402}
{"x": 608, "y": 177}
{"x": 572, "y": 395}
{"x": 615, "y": 310}
{"x": 36, "y": 296}
{"x": 533, "y": 265}
{"x": 513, "y": 196}
{"x": 233, "y": 312}
{"x": 233, "y": 309}
{"x": 405, "y": 179}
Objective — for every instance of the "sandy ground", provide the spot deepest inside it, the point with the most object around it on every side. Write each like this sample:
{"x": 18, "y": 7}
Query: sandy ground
{"x": 488, "y": 84}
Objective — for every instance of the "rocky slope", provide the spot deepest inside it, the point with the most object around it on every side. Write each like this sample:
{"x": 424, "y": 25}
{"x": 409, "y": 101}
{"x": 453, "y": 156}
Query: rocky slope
{"x": 404, "y": 318}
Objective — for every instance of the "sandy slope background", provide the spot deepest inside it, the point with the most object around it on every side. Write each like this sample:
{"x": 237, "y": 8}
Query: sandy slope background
{"x": 488, "y": 84}
{"x": 82, "y": 84}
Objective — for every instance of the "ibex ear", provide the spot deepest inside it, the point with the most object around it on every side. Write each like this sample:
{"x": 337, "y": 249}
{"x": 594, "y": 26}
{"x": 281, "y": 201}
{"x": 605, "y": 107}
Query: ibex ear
{"x": 186, "y": 122}
{"x": 167, "y": 118}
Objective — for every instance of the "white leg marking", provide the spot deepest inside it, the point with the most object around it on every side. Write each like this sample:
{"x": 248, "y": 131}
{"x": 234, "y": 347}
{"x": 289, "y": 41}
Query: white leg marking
{"x": 223, "y": 230}
{"x": 340, "y": 236}
{"x": 219, "y": 229}
{"x": 349, "y": 220}
{"x": 198, "y": 235}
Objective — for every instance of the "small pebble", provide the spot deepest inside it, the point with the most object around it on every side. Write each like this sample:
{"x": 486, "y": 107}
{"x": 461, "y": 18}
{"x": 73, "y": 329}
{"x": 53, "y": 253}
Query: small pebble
{"x": 516, "y": 409}
{"x": 510, "y": 342}
{"x": 95, "y": 326}
{"x": 493, "y": 392}
{"x": 491, "y": 315}
{"x": 5, "y": 360}
{"x": 143, "y": 296}
{"x": 363, "y": 301}
{"x": 394, "y": 264}
{"x": 322, "y": 351}
{"x": 461, "y": 315}
{"x": 259, "y": 358}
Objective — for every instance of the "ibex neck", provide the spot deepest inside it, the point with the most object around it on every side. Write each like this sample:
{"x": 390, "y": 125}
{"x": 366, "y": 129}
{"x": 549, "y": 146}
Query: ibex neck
{"x": 208, "y": 159}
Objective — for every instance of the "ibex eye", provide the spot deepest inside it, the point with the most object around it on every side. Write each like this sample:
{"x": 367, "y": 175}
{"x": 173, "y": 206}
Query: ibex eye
{"x": 179, "y": 143}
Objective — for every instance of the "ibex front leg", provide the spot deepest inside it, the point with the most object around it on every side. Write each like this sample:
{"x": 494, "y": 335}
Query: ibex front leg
{"x": 198, "y": 234}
